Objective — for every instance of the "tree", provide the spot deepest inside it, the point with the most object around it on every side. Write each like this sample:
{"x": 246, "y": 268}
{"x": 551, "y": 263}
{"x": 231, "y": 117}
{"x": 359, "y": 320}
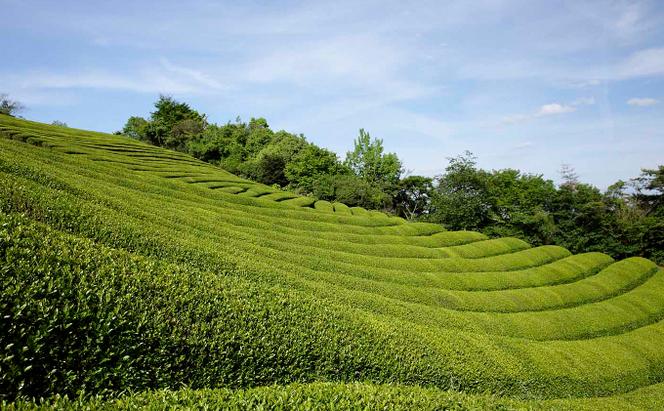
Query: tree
{"x": 350, "y": 190}
{"x": 182, "y": 132}
{"x": 569, "y": 176}
{"x": 413, "y": 198}
{"x": 136, "y": 128}
{"x": 520, "y": 206}
{"x": 461, "y": 198}
{"x": 584, "y": 219}
{"x": 368, "y": 161}
{"x": 10, "y": 107}
{"x": 309, "y": 164}
{"x": 649, "y": 191}
{"x": 268, "y": 166}
{"x": 59, "y": 123}
{"x": 173, "y": 124}
{"x": 258, "y": 135}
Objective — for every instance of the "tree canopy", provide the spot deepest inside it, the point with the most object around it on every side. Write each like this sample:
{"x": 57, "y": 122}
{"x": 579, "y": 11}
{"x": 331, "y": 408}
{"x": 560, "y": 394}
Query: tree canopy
{"x": 626, "y": 220}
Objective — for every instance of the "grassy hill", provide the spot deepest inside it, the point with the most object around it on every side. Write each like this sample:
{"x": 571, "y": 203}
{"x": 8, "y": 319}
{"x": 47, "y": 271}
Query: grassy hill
{"x": 138, "y": 276}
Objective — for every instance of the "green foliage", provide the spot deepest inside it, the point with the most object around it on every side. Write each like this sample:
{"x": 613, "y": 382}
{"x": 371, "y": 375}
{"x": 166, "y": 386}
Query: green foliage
{"x": 9, "y": 107}
{"x": 368, "y": 161}
{"x": 136, "y": 127}
{"x": 649, "y": 188}
{"x": 128, "y": 268}
{"x": 355, "y": 396}
{"x": 310, "y": 165}
{"x": 351, "y": 190}
{"x": 461, "y": 200}
{"x": 575, "y": 215}
{"x": 171, "y": 125}
{"x": 269, "y": 164}
{"x": 413, "y": 198}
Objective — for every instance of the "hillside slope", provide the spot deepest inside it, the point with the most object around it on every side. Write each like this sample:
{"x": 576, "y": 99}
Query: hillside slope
{"x": 126, "y": 267}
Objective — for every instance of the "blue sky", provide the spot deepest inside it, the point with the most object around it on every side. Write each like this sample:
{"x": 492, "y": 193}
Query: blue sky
{"x": 522, "y": 84}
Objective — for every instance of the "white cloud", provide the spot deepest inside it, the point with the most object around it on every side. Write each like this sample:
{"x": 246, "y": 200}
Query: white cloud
{"x": 648, "y": 62}
{"x": 550, "y": 109}
{"x": 163, "y": 77}
{"x": 364, "y": 64}
{"x": 191, "y": 75}
{"x": 630, "y": 21}
{"x": 642, "y": 102}
{"x": 554, "y": 108}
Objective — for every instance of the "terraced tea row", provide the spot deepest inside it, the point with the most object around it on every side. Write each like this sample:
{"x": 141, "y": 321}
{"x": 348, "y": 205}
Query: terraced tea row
{"x": 242, "y": 285}
{"x": 356, "y": 396}
{"x": 356, "y": 285}
{"x": 169, "y": 162}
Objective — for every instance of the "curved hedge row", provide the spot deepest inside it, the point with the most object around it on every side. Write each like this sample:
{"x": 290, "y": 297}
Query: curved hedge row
{"x": 128, "y": 267}
{"x": 272, "y": 263}
{"x": 355, "y": 396}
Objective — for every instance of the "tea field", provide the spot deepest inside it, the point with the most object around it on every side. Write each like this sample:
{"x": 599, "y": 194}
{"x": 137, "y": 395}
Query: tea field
{"x": 138, "y": 277}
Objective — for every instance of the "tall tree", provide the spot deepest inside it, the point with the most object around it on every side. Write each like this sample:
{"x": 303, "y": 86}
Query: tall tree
{"x": 461, "y": 199}
{"x": 569, "y": 176}
{"x": 520, "y": 206}
{"x": 649, "y": 191}
{"x": 310, "y": 164}
{"x": 174, "y": 123}
{"x": 413, "y": 198}
{"x": 369, "y": 161}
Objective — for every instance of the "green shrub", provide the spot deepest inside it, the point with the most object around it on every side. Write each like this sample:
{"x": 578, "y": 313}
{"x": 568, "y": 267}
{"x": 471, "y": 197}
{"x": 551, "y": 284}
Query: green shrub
{"x": 129, "y": 268}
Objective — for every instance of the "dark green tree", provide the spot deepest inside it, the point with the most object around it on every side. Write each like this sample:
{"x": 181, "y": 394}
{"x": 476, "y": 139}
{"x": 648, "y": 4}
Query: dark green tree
{"x": 309, "y": 165}
{"x": 173, "y": 124}
{"x": 461, "y": 199}
{"x": 269, "y": 165}
{"x": 351, "y": 190}
{"x": 649, "y": 191}
{"x": 584, "y": 219}
{"x": 520, "y": 206}
{"x": 413, "y": 197}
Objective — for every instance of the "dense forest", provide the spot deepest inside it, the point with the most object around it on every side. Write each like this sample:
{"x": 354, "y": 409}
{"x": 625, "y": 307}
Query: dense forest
{"x": 625, "y": 220}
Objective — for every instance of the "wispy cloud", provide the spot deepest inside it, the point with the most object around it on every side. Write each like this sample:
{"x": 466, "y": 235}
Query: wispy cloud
{"x": 524, "y": 145}
{"x": 550, "y": 109}
{"x": 642, "y": 102}
{"x": 160, "y": 77}
{"x": 553, "y": 108}
{"x": 647, "y": 62}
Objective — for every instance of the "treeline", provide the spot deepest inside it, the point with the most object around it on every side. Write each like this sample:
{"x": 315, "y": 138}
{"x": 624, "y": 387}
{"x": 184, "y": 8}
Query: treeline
{"x": 626, "y": 220}
{"x": 368, "y": 177}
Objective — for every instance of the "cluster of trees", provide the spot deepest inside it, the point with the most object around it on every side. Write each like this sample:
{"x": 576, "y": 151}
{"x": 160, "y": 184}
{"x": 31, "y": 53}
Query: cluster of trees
{"x": 368, "y": 177}
{"x": 626, "y": 220}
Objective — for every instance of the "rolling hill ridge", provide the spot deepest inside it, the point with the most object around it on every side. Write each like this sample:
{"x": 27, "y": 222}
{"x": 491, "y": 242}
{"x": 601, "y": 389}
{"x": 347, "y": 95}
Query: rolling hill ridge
{"x": 128, "y": 268}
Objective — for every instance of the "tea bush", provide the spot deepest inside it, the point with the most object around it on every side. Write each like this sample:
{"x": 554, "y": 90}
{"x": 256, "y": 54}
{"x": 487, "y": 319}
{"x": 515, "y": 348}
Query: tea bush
{"x": 129, "y": 271}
